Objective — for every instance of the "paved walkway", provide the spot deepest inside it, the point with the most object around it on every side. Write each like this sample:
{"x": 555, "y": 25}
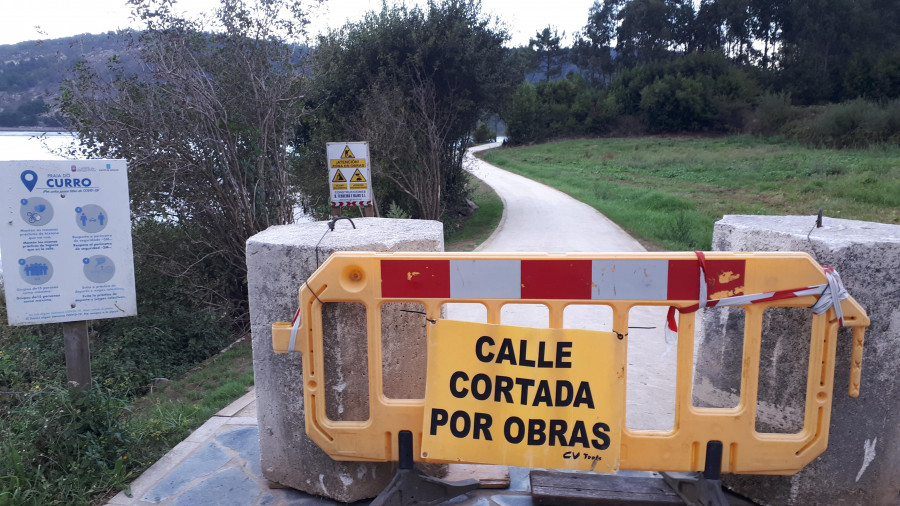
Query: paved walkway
{"x": 218, "y": 464}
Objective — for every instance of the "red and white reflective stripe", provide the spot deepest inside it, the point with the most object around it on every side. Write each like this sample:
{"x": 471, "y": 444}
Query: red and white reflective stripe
{"x": 559, "y": 279}
{"x": 352, "y": 203}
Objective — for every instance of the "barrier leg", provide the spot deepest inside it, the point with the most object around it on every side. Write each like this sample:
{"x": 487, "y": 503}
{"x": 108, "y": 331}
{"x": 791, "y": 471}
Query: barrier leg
{"x": 410, "y": 486}
{"x": 704, "y": 489}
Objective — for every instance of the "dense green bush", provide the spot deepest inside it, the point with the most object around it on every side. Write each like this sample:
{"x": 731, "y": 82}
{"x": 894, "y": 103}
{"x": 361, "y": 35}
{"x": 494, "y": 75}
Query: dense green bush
{"x": 854, "y": 124}
{"x": 700, "y": 92}
{"x": 676, "y": 104}
{"x": 697, "y": 93}
{"x": 565, "y": 108}
{"x": 483, "y": 134}
{"x": 773, "y": 113}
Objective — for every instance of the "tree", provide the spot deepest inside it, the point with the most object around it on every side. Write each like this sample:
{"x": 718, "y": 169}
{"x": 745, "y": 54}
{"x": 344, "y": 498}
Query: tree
{"x": 767, "y": 17}
{"x": 836, "y": 49}
{"x": 546, "y": 45}
{"x": 593, "y": 49}
{"x": 206, "y": 132}
{"x": 414, "y": 83}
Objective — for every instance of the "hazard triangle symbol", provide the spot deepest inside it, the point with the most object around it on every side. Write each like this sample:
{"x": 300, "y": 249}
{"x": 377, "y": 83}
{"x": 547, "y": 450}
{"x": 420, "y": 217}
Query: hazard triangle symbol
{"x": 357, "y": 177}
{"x": 347, "y": 153}
{"x": 339, "y": 178}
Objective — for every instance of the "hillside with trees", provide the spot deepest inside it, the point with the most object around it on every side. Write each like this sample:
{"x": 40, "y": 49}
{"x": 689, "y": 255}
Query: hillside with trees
{"x": 720, "y": 66}
{"x": 31, "y": 73}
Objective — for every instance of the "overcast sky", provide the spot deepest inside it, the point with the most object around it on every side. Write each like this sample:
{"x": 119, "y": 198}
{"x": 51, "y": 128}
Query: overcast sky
{"x": 24, "y": 20}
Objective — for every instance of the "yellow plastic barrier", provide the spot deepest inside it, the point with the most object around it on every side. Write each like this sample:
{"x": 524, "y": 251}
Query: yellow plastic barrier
{"x": 755, "y": 281}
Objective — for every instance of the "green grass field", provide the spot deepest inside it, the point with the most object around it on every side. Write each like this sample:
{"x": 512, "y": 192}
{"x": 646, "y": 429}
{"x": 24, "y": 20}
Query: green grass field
{"x": 669, "y": 191}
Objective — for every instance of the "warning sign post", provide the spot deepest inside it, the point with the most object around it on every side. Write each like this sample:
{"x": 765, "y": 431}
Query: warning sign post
{"x": 520, "y": 396}
{"x": 349, "y": 175}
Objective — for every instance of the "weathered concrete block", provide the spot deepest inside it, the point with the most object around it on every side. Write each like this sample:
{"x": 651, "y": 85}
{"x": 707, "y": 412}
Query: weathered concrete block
{"x": 862, "y": 462}
{"x": 279, "y": 260}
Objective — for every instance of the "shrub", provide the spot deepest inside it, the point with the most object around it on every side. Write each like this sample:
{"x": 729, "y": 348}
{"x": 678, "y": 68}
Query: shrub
{"x": 524, "y": 115}
{"x": 700, "y": 92}
{"x": 854, "y": 124}
{"x": 552, "y": 109}
{"x": 676, "y": 104}
{"x": 483, "y": 134}
{"x": 773, "y": 113}
{"x": 396, "y": 212}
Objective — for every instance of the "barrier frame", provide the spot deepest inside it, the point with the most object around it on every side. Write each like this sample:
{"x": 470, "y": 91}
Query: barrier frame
{"x": 358, "y": 277}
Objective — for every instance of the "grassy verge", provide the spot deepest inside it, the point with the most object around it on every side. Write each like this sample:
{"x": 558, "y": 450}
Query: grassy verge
{"x": 483, "y": 221}
{"x": 169, "y": 413}
{"x": 66, "y": 446}
{"x": 670, "y": 191}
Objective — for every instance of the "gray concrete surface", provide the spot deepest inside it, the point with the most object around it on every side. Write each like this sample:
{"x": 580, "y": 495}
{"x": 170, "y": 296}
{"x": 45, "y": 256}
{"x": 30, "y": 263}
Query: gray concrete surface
{"x": 279, "y": 259}
{"x": 536, "y": 218}
{"x": 862, "y": 462}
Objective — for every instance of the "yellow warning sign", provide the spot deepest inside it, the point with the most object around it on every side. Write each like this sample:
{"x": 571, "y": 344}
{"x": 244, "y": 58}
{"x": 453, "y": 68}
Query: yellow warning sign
{"x": 498, "y": 394}
{"x": 348, "y": 172}
{"x": 348, "y": 163}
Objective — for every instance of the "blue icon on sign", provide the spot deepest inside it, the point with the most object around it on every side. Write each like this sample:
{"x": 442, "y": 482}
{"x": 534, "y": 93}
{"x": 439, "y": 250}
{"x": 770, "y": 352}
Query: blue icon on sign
{"x": 29, "y": 179}
{"x": 35, "y": 270}
{"x": 91, "y": 218}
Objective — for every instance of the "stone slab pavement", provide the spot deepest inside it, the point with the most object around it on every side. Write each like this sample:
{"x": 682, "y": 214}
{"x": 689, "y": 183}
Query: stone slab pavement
{"x": 218, "y": 464}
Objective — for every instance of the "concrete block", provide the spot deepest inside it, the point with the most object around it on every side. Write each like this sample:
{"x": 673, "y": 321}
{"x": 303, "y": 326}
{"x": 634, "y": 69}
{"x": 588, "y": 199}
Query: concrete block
{"x": 862, "y": 462}
{"x": 278, "y": 261}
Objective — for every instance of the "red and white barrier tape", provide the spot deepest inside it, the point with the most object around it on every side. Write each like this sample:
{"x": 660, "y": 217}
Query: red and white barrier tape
{"x": 831, "y": 293}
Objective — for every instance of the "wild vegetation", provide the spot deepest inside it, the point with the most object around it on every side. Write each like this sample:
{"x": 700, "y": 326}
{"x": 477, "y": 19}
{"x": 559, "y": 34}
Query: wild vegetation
{"x": 205, "y": 130}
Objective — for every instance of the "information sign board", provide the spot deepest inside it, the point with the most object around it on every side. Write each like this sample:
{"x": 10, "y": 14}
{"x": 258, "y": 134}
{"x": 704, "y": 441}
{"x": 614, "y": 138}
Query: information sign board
{"x": 526, "y": 397}
{"x": 66, "y": 241}
{"x": 349, "y": 175}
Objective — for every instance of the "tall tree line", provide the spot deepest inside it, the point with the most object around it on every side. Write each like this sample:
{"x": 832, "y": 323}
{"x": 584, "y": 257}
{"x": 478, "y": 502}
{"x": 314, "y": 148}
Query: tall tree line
{"x": 816, "y": 50}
